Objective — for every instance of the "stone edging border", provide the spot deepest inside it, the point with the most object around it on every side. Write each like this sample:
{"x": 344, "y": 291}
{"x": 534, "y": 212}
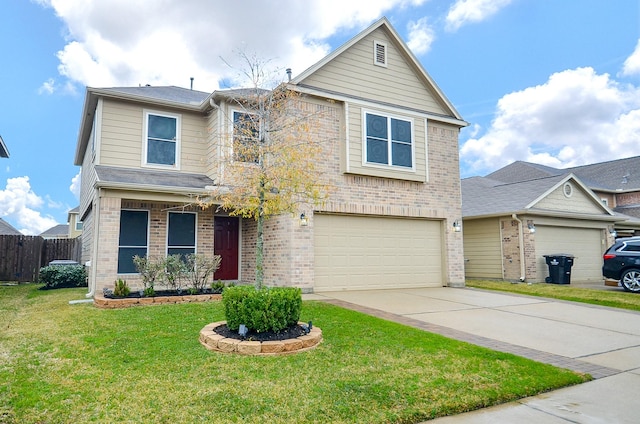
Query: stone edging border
{"x": 107, "y": 303}
{"x": 216, "y": 342}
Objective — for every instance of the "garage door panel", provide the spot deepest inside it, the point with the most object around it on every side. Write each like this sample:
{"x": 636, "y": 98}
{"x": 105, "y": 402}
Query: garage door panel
{"x": 583, "y": 243}
{"x": 355, "y": 252}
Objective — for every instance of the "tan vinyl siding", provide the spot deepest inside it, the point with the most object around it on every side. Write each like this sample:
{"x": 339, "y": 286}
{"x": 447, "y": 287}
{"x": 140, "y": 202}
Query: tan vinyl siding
{"x": 194, "y": 144}
{"x": 122, "y": 138}
{"x": 482, "y": 248}
{"x": 578, "y": 202}
{"x": 353, "y": 73}
{"x": 356, "y": 146}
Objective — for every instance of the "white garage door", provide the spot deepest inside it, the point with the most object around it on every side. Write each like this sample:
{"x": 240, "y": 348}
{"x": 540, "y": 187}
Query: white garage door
{"x": 356, "y": 253}
{"x": 584, "y": 243}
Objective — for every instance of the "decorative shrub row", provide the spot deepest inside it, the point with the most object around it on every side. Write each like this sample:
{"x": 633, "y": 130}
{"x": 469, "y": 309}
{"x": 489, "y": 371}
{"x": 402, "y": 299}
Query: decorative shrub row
{"x": 264, "y": 309}
{"x": 61, "y": 276}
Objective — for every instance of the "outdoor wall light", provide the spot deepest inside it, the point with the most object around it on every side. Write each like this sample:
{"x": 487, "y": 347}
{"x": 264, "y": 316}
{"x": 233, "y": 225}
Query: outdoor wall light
{"x": 613, "y": 232}
{"x": 531, "y": 227}
{"x": 242, "y": 330}
{"x": 304, "y": 221}
{"x": 457, "y": 226}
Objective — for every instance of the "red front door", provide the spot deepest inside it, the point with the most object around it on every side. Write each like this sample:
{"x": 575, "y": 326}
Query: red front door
{"x": 225, "y": 243}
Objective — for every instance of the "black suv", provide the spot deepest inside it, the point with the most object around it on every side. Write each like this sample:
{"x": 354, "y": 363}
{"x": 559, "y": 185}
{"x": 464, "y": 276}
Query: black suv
{"x": 622, "y": 262}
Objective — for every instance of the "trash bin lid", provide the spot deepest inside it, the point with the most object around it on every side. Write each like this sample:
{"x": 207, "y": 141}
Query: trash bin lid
{"x": 557, "y": 255}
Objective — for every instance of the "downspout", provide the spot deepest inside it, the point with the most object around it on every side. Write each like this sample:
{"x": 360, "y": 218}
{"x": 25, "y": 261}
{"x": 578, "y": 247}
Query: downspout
{"x": 94, "y": 250}
{"x": 521, "y": 241}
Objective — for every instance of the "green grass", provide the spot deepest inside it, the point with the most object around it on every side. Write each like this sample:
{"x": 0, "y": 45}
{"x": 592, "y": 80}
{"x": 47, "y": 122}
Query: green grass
{"x": 614, "y": 299}
{"x": 64, "y": 363}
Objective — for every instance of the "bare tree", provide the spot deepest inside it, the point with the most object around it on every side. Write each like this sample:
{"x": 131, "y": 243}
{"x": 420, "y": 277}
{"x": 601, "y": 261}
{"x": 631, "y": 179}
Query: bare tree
{"x": 270, "y": 159}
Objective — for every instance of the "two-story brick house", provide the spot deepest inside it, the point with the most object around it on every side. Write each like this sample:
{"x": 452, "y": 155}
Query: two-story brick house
{"x": 391, "y": 158}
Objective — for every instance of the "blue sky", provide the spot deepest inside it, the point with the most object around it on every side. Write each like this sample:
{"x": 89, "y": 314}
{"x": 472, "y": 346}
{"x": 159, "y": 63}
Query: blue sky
{"x": 552, "y": 82}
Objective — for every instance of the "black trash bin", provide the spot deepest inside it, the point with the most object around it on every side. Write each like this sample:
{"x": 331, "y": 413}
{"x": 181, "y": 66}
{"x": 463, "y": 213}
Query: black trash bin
{"x": 559, "y": 268}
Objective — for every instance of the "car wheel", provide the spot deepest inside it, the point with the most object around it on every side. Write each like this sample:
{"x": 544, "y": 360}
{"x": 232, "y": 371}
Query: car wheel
{"x": 631, "y": 280}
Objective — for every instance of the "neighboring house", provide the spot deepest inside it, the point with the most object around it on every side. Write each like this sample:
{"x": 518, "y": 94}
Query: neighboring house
{"x": 4, "y": 152}
{"x": 74, "y": 222}
{"x": 147, "y": 152}
{"x": 7, "y": 229}
{"x": 562, "y": 208}
{"x": 56, "y": 232}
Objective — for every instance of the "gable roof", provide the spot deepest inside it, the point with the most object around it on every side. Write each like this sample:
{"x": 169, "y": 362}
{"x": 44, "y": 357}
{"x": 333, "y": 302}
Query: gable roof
{"x": 614, "y": 175}
{"x": 7, "y": 229}
{"x": 408, "y": 54}
{"x": 60, "y": 230}
{"x": 484, "y": 196}
{"x": 4, "y": 152}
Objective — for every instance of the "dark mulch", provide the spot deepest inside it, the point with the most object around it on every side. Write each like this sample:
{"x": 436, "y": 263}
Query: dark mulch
{"x": 165, "y": 293}
{"x": 287, "y": 333}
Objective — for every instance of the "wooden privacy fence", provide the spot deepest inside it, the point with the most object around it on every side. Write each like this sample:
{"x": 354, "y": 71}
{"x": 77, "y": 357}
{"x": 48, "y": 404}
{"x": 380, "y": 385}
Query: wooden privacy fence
{"x": 21, "y": 257}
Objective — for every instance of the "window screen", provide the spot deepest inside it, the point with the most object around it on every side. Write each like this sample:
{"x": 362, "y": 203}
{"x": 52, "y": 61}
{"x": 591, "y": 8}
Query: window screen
{"x": 133, "y": 239}
{"x": 181, "y": 239}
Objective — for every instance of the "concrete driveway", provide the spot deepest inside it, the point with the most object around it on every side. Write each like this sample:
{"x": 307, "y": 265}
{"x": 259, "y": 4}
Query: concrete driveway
{"x": 603, "y": 342}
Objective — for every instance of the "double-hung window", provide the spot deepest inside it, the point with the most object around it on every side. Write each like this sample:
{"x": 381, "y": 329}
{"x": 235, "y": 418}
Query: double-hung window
{"x": 134, "y": 236}
{"x": 246, "y": 135}
{"x": 389, "y": 141}
{"x": 162, "y": 141}
{"x": 181, "y": 235}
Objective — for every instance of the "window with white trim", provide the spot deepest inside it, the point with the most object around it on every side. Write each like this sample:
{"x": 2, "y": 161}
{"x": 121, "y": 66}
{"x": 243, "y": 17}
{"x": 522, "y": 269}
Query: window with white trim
{"x": 162, "y": 139}
{"x": 181, "y": 233}
{"x": 134, "y": 236}
{"x": 388, "y": 140}
{"x": 246, "y": 135}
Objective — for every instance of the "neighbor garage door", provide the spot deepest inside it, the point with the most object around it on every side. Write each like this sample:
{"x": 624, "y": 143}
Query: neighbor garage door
{"x": 584, "y": 243}
{"x": 357, "y": 252}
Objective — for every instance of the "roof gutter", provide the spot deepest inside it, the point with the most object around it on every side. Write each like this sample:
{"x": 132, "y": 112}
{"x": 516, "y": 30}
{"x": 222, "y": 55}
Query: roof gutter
{"x": 521, "y": 241}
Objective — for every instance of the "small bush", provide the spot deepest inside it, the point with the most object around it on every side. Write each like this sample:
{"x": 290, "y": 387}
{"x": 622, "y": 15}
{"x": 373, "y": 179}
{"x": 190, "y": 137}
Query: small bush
{"x": 121, "y": 289}
{"x": 61, "y": 276}
{"x": 264, "y": 309}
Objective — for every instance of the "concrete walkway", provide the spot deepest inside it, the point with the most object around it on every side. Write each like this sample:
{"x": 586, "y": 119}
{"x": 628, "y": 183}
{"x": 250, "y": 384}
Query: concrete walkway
{"x": 603, "y": 342}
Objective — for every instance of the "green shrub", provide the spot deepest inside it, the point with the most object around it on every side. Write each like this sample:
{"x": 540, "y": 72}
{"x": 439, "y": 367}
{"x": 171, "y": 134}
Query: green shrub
{"x": 121, "y": 289}
{"x": 60, "y": 276}
{"x": 217, "y": 286}
{"x": 264, "y": 309}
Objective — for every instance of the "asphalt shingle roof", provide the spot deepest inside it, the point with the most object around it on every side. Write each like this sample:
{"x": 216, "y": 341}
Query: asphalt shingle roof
{"x": 7, "y": 229}
{"x": 619, "y": 174}
{"x": 166, "y": 93}
{"x": 145, "y": 177}
{"x": 486, "y": 196}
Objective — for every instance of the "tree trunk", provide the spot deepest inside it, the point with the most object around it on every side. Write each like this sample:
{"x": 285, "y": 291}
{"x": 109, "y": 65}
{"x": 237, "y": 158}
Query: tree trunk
{"x": 259, "y": 238}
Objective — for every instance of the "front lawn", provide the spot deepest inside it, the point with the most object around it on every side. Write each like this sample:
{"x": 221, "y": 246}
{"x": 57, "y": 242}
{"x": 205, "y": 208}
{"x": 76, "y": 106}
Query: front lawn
{"x": 76, "y": 363}
{"x": 611, "y": 298}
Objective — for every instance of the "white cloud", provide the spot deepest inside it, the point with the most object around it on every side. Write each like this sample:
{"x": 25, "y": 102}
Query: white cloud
{"x": 124, "y": 43}
{"x": 19, "y": 202}
{"x": 577, "y": 117}
{"x": 421, "y": 36}
{"x": 468, "y": 11}
{"x": 632, "y": 64}
{"x": 76, "y": 185}
{"x": 47, "y": 87}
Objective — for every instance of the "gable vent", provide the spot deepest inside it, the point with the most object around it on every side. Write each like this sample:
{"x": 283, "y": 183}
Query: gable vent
{"x": 379, "y": 53}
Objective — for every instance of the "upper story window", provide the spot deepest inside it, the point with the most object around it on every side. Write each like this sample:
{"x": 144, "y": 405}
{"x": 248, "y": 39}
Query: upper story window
{"x": 389, "y": 141}
{"x": 78, "y": 225}
{"x": 246, "y": 134}
{"x": 162, "y": 139}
